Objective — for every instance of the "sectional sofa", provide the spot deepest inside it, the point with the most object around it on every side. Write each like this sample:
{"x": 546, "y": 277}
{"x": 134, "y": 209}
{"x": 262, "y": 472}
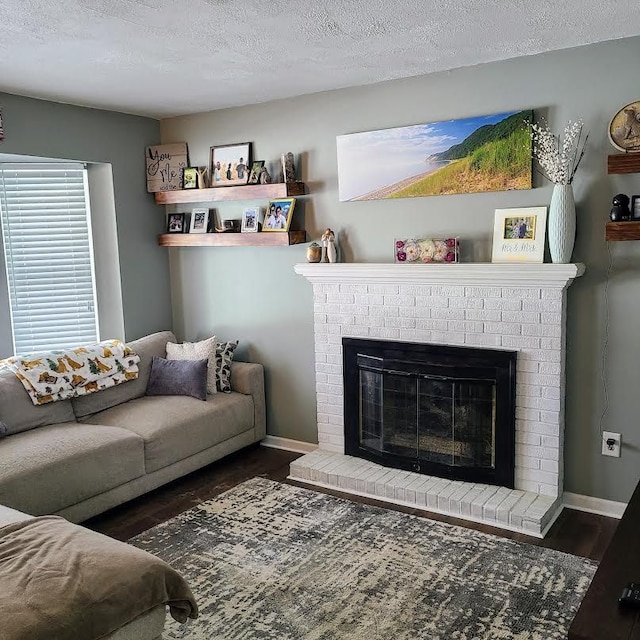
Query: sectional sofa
{"x": 77, "y": 458}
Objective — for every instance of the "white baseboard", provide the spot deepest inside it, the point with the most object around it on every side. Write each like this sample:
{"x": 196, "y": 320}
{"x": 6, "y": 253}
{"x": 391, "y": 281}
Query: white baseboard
{"x": 297, "y": 446}
{"x": 594, "y": 505}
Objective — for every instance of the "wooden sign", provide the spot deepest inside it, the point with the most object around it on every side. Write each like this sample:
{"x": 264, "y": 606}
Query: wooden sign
{"x": 165, "y": 163}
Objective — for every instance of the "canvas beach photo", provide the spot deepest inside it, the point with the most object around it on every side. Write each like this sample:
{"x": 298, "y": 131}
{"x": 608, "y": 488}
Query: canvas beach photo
{"x": 469, "y": 155}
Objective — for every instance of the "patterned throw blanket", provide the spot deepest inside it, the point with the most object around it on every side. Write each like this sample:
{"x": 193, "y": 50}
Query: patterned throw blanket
{"x": 62, "y": 374}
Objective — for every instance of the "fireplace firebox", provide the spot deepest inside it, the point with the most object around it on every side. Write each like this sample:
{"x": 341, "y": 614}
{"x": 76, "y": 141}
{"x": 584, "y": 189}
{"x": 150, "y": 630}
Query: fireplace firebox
{"x": 436, "y": 409}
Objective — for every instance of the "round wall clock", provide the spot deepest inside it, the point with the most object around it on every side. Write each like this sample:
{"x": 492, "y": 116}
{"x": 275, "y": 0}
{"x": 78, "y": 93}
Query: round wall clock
{"x": 624, "y": 130}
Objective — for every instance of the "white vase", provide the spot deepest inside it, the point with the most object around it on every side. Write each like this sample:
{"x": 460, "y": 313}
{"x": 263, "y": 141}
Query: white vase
{"x": 562, "y": 224}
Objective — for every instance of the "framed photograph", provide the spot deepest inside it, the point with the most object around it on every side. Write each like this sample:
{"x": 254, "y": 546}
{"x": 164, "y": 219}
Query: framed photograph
{"x": 254, "y": 174}
{"x": 279, "y": 214}
{"x": 635, "y": 207}
{"x": 250, "y": 220}
{"x": 518, "y": 235}
{"x": 230, "y": 164}
{"x": 175, "y": 223}
{"x": 190, "y": 178}
{"x": 199, "y": 221}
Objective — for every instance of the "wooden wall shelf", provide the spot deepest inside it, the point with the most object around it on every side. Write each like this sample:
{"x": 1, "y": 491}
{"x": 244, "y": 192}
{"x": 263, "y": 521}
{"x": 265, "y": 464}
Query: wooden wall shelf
{"x": 242, "y": 192}
{"x": 622, "y": 231}
{"x": 623, "y": 163}
{"x": 260, "y": 239}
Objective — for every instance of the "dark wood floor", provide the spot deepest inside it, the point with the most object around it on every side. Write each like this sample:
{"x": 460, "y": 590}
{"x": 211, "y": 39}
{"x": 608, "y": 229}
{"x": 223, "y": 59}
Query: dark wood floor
{"x": 575, "y": 532}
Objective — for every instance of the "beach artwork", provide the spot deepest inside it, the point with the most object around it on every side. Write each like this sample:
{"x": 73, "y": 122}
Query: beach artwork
{"x": 470, "y": 155}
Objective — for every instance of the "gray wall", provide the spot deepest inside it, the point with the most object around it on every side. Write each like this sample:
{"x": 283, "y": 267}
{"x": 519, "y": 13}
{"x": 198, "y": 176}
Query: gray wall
{"x": 52, "y": 130}
{"x": 253, "y": 294}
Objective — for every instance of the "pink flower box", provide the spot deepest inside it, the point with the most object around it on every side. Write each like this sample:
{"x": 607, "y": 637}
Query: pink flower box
{"x": 426, "y": 250}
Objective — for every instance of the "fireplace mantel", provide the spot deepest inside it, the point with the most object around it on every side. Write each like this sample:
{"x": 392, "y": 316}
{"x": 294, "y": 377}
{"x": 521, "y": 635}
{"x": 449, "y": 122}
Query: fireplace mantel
{"x": 555, "y": 276}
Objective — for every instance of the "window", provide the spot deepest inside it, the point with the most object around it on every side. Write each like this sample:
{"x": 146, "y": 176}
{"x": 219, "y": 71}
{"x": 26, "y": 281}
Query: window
{"x": 46, "y": 232}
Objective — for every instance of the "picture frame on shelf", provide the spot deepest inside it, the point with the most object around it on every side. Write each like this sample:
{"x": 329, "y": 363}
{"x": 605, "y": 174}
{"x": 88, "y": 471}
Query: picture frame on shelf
{"x": 519, "y": 235}
{"x": 176, "y": 223}
{"x": 279, "y": 214}
{"x": 199, "y": 220}
{"x": 635, "y": 208}
{"x": 229, "y": 164}
{"x": 250, "y": 220}
{"x": 254, "y": 174}
{"x": 190, "y": 178}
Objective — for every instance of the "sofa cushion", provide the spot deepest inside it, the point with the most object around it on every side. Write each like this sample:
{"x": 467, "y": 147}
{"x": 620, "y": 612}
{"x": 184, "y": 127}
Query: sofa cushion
{"x": 197, "y": 351}
{"x": 178, "y": 378}
{"x": 147, "y": 347}
{"x": 59, "y": 465}
{"x": 224, "y": 357}
{"x": 176, "y": 427}
{"x": 20, "y": 414}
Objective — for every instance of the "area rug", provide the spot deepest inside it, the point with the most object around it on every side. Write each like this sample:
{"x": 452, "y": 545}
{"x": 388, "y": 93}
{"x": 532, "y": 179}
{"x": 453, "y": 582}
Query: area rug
{"x": 267, "y": 560}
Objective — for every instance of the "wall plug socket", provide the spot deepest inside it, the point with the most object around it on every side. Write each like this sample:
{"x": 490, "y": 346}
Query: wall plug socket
{"x": 611, "y": 444}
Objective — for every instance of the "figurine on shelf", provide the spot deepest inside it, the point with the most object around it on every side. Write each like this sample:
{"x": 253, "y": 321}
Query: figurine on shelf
{"x": 329, "y": 251}
{"x": 288, "y": 168}
{"x": 264, "y": 177}
{"x": 620, "y": 210}
{"x": 202, "y": 177}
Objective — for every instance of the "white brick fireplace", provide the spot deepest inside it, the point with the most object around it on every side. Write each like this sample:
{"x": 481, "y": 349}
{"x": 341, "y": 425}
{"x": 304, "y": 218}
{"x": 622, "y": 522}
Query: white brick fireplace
{"x": 510, "y": 306}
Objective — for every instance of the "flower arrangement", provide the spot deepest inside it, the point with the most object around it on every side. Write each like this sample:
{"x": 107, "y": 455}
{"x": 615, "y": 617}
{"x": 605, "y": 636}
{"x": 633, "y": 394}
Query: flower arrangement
{"x": 426, "y": 250}
{"x": 558, "y": 158}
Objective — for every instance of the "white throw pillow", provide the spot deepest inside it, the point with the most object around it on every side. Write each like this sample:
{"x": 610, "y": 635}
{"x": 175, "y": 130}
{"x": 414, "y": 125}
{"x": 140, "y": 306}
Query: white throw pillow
{"x": 197, "y": 351}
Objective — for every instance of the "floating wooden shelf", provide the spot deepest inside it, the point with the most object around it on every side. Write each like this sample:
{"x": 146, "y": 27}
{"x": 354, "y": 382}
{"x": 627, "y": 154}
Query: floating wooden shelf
{"x": 260, "y": 239}
{"x": 623, "y": 163}
{"x": 622, "y": 231}
{"x": 243, "y": 192}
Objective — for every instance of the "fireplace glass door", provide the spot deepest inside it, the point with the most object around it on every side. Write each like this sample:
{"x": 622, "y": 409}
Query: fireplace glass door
{"x": 428, "y": 417}
{"x": 450, "y": 416}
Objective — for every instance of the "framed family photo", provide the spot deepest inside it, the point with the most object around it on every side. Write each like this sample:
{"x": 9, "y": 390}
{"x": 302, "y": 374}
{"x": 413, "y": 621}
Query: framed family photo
{"x": 199, "y": 220}
{"x": 254, "y": 174}
{"x": 175, "y": 223}
{"x": 230, "y": 164}
{"x": 250, "y": 220}
{"x": 279, "y": 214}
{"x": 190, "y": 178}
{"x": 518, "y": 235}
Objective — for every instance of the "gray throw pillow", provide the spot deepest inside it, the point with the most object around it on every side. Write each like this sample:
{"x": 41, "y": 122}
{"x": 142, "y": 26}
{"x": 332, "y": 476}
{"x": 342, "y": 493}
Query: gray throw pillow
{"x": 4, "y": 430}
{"x": 178, "y": 378}
{"x": 197, "y": 351}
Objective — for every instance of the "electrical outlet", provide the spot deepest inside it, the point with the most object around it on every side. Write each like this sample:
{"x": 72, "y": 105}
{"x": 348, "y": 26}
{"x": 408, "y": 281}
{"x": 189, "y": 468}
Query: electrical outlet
{"x": 611, "y": 444}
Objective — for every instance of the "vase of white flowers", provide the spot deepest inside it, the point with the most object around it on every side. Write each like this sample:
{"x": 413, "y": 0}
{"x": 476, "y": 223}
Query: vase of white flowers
{"x": 558, "y": 160}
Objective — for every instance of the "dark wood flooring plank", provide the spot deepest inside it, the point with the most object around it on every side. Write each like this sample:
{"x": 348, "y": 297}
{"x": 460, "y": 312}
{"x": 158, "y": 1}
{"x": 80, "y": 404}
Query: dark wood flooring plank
{"x": 599, "y": 615}
{"x": 573, "y": 532}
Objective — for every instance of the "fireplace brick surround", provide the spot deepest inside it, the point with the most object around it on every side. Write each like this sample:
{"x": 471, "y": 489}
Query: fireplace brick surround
{"x": 511, "y": 306}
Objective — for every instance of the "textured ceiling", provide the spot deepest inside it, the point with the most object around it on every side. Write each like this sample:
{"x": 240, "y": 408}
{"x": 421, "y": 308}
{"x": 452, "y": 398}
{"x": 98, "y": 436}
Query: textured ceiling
{"x": 163, "y": 57}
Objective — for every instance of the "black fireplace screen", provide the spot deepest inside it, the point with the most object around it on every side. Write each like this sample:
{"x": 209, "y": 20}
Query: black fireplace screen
{"x": 440, "y": 410}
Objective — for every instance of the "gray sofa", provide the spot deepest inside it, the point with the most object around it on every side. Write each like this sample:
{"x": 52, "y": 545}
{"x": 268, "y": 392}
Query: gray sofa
{"x": 77, "y": 458}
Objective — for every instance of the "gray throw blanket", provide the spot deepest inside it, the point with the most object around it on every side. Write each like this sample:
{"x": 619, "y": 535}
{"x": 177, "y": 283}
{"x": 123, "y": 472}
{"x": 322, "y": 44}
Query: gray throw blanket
{"x": 59, "y": 580}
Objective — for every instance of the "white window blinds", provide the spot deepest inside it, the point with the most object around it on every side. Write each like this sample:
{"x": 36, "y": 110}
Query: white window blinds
{"x": 48, "y": 255}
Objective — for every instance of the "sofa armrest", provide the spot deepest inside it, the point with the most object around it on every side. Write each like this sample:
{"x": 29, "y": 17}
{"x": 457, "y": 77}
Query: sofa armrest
{"x": 248, "y": 378}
